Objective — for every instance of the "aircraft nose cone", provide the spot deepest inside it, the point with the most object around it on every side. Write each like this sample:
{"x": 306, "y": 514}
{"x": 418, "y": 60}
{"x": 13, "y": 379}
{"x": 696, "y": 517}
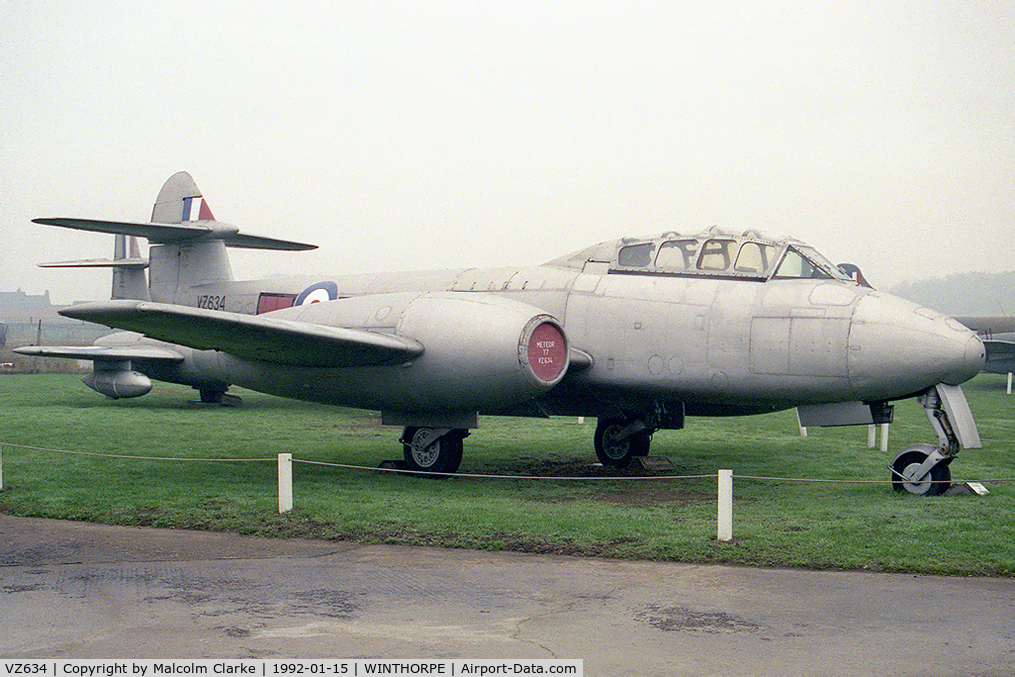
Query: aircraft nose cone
{"x": 898, "y": 348}
{"x": 972, "y": 362}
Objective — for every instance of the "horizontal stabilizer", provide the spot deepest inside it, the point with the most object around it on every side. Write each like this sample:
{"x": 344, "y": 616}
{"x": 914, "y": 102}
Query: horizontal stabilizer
{"x": 242, "y": 241}
{"x": 169, "y": 233}
{"x": 103, "y": 353}
{"x": 252, "y": 337}
{"x": 97, "y": 263}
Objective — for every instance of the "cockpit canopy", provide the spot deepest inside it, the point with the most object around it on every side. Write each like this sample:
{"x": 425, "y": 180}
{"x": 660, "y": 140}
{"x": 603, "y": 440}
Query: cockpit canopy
{"x": 749, "y": 256}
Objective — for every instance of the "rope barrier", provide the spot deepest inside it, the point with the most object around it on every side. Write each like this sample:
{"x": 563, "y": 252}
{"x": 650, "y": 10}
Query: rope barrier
{"x": 504, "y": 477}
{"x": 725, "y": 477}
{"x": 401, "y": 471}
{"x": 800, "y": 479}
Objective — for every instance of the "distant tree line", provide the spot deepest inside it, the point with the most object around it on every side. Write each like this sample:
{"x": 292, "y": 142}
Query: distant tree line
{"x": 964, "y": 293}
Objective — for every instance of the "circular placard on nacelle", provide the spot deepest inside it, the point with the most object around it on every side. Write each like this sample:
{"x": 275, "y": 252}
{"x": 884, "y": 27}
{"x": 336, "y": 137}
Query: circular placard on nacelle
{"x": 547, "y": 352}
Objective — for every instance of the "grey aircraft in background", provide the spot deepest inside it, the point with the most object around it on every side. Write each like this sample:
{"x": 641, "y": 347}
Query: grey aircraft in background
{"x": 998, "y": 334}
{"x": 638, "y": 332}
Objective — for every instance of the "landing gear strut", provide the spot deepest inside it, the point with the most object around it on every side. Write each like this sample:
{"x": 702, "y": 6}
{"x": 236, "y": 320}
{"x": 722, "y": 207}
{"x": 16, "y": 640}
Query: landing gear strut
{"x": 923, "y": 469}
{"x": 433, "y": 450}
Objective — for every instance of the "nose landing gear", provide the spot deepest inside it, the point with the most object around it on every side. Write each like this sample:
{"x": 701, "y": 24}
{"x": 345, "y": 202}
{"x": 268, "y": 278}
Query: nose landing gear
{"x": 923, "y": 469}
{"x": 619, "y": 440}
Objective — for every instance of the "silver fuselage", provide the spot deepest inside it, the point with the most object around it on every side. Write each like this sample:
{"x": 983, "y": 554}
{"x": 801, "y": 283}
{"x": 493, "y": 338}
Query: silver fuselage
{"x": 718, "y": 346}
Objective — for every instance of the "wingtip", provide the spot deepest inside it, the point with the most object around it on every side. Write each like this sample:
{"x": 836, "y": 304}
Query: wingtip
{"x": 86, "y": 311}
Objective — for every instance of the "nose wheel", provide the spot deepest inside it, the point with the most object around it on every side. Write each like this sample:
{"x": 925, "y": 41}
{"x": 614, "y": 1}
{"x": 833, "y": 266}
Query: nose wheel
{"x": 921, "y": 470}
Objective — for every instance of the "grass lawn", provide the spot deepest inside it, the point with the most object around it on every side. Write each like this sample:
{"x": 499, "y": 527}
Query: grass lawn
{"x": 776, "y": 523}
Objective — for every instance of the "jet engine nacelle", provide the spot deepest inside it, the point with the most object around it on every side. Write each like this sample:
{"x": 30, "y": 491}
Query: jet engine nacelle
{"x": 118, "y": 382}
{"x": 480, "y": 350}
{"x": 480, "y": 353}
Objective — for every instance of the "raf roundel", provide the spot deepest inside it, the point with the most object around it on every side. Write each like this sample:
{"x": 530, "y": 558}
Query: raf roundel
{"x": 322, "y": 291}
{"x": 547, "y": 352}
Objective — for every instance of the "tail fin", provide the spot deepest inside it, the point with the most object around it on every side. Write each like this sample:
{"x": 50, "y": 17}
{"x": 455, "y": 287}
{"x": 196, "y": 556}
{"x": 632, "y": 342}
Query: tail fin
{"x": 176, "y": 266}
{"x": 187, "y": 243}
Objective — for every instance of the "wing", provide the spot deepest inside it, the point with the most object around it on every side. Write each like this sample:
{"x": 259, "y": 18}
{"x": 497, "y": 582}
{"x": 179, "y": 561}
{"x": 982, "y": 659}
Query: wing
{"x": 993, "y": 331}
{"x": 103, "y": 353}
{"x": 253, "y": 337}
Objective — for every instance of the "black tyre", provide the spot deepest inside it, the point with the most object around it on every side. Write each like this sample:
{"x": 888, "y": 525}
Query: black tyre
{"x": 443, "y": 455}
{"x": 613, "y": 451}
{"x": 933, "y": 483}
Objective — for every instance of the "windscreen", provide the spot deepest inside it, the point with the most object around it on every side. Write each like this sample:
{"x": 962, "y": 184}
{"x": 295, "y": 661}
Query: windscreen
{"x": 802, "y": 262}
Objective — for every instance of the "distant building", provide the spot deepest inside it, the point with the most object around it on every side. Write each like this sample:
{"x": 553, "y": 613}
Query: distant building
{"x": 21, "y": 312}
{"x": 17, "y": 306}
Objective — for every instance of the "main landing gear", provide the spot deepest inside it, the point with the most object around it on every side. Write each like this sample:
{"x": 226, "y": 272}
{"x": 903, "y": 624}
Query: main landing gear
{"x": 433, "y": 450}
{"x": 210, "y": 396}
{"x": 923, "y": 469}
{"x": 619, "y": 440}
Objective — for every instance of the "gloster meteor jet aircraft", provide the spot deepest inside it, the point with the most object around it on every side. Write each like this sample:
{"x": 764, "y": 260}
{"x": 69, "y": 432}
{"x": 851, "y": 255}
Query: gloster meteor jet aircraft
{"x": 638, "y": 332}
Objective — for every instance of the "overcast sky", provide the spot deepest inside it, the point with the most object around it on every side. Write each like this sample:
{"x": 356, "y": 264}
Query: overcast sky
{"x": 456, "y": 134}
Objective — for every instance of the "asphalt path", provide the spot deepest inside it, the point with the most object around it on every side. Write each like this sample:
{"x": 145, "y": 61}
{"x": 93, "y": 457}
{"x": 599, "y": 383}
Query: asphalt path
{"x": 72, "y": 590}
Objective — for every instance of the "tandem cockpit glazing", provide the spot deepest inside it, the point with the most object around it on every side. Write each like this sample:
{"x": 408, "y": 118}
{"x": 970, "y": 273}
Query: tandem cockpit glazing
{"x": 748, "y": 256}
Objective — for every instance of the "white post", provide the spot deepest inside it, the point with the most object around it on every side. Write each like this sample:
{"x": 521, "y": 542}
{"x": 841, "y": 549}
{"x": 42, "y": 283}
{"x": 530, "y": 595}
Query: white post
{"x": 884, "y": 437}
{"x": 803, "y": 428}
{"x": 581, "y": 420}
{"x": 1009, "y": 383}
{"x": 872, "y": 436}
{"x": 725, "y": 527}
{"x": 285, "y": 483}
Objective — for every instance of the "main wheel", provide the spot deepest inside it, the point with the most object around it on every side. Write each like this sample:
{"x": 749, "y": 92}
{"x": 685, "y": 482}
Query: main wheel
{"x": 442, "y": 455}
{"x": 212, "y": 396}
{"x": 617, "y": 452}
{"x": 905, "y": 467}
